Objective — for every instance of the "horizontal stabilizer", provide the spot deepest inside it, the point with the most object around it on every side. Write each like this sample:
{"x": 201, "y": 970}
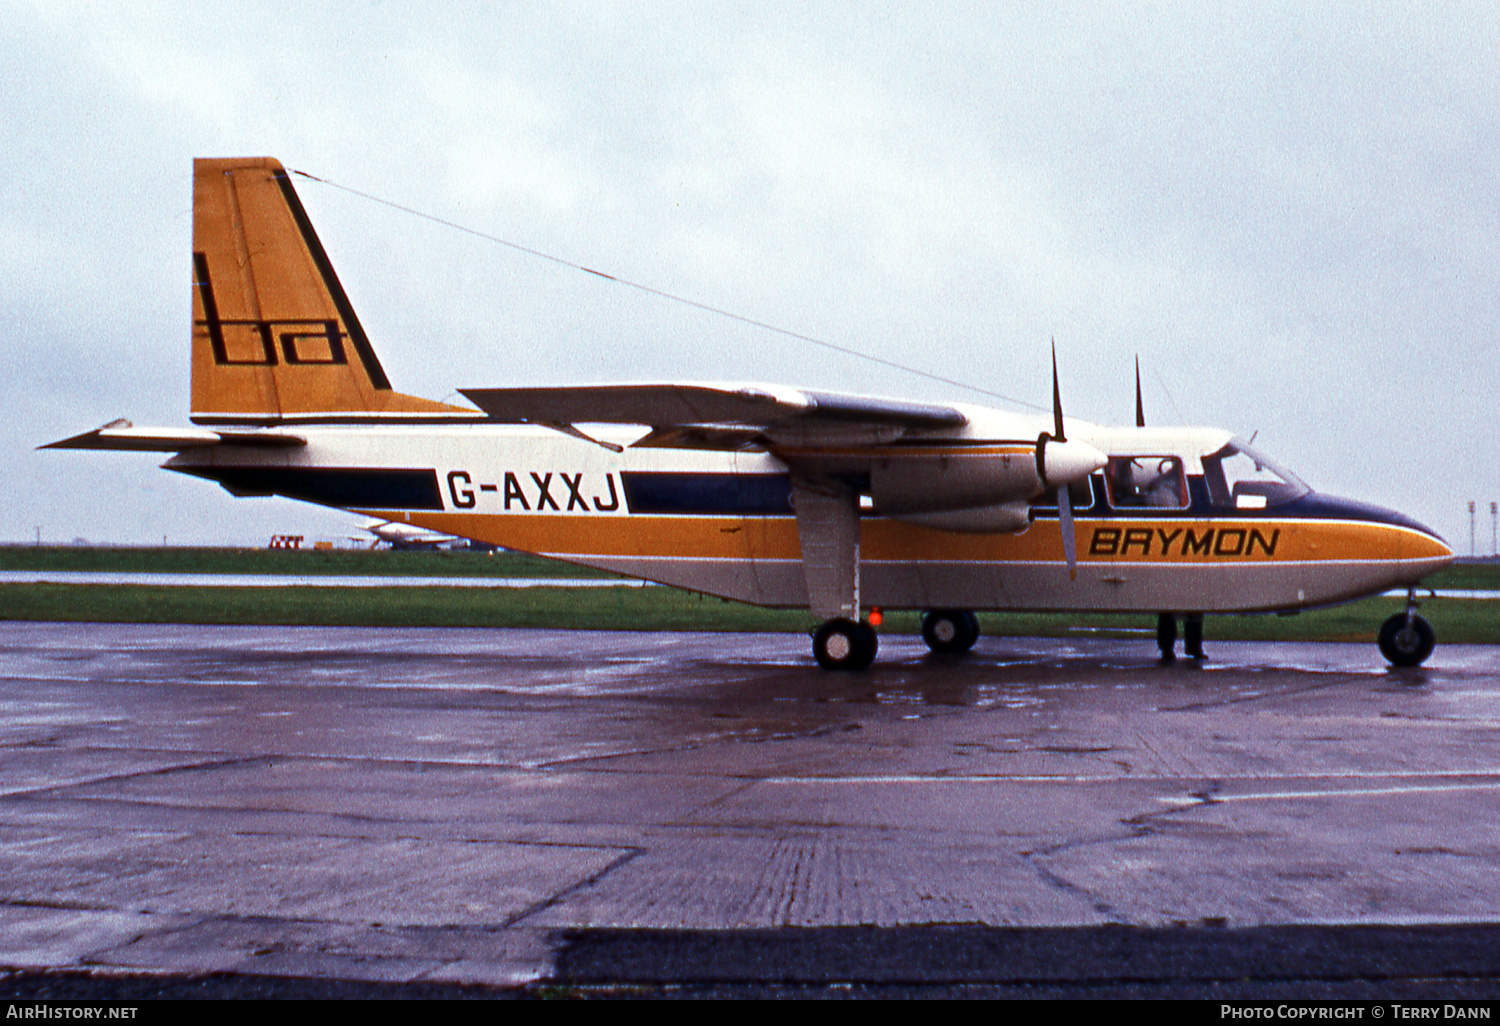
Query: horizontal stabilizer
{"x": 122, "y": 435}
{"x": 673, "y": 405}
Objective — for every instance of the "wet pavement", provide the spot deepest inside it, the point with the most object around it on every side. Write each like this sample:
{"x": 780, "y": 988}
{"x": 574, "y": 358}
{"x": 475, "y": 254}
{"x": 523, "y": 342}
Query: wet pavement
{"x": 457, "y": 806}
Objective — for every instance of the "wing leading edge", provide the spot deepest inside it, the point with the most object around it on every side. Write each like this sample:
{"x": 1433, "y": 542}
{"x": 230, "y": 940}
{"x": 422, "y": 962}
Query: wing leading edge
{"x": 667, "y": 405}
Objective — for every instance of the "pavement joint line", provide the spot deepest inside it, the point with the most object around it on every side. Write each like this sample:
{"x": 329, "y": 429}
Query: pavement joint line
{"x": 722, "y": 800}
{"x": 1359, "y": 792}
{"x": 629, "y": 855}
{"x": 725, "y": 741}
{"x": 527, "y": 842}
{"x": 141, "y": 804}
{"x": 145, "y": 774}
{"x": 1066, "y": 886}
{"x": 1290, "y": 691}
{"x": 58, "y": 906}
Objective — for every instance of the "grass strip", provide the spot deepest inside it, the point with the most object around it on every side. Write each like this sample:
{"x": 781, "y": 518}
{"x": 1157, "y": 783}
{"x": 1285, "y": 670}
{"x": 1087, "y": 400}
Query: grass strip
{"x": 303, "y": 562}
{"x": 657, "y": 609}
{"x": 1455, "y": 620}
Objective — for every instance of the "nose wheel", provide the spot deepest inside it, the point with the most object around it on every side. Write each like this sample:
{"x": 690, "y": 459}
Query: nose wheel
{"x": 1406, "y": 639}
{"x": 950, "y": 631}
{"x": 845, "y": 645}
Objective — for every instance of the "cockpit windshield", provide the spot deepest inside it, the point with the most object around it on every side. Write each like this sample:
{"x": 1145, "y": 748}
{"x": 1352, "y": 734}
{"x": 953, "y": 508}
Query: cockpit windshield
{"x": 1238, "y": 477}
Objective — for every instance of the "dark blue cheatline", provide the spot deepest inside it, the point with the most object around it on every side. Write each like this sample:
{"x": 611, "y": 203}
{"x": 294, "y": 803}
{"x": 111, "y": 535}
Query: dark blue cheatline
{"x": 343, "y": 487}
{"x": 724, "y": 494}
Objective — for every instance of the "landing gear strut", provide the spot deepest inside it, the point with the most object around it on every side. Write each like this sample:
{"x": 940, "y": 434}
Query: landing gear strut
{"x": 842, "y": 644}
{"x": 950, "y": 631}
{"x": 1406, "y": 639}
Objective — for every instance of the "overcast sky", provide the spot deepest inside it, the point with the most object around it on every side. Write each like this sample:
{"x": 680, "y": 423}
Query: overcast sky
{"x": 1289, "y": 211}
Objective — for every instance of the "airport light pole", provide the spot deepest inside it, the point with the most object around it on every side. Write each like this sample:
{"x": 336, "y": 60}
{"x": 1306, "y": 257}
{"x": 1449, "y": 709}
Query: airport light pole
{"x": 1494, "y": 528}
{"x": 1472, "y": 504}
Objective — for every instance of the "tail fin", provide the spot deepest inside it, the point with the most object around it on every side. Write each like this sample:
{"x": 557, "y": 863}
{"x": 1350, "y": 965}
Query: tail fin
{"x": 274, "y": 336}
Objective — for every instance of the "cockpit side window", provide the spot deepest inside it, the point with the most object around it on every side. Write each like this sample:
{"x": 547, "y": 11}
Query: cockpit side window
{"x": 1136, "y": 482}
{"x": 1238, "y": 477}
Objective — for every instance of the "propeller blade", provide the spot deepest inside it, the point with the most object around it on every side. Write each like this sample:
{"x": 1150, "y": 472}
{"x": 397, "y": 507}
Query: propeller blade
{"x": 1065, "y": 522}
{"x": 1140, "y": 410}
{"x": 1057, "y": 416}
{"x": 1064, "y": 493}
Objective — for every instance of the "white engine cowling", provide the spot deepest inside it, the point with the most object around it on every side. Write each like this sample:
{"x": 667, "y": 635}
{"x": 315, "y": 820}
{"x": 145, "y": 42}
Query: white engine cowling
{"x": 1006, "y": 518}
{"x": 937, "y": 482}
{"x": 929, "y": 483}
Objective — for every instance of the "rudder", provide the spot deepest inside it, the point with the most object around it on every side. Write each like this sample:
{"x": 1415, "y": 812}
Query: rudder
{"x": 274, "y": 335}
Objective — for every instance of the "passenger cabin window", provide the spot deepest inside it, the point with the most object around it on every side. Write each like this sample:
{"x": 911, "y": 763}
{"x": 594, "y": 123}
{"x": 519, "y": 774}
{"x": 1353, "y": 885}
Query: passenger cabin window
{"x": 1146, "y": 482}
{"x": 1238, "y": 477}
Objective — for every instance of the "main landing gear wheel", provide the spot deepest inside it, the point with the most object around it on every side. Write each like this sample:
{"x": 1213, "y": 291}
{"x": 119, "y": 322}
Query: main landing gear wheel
{"x": 1406, "y": 639}
{"x": 845, "y": 645}
{"x": 950, "y": 631}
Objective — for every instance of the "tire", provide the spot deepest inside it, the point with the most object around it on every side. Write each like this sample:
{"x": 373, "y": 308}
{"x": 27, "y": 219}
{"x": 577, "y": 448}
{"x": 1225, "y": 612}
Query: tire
{"x": 1404, "y": 646}
{"x": 950, "y": 631}
{"x": 842, "y": 644}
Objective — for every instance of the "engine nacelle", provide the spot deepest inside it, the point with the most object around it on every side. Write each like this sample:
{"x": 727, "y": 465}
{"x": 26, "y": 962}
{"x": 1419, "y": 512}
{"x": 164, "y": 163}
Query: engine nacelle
{"x": 1006, "y": 518}
{"x": 990, "y": 476}
{"x": 927, "y": 482}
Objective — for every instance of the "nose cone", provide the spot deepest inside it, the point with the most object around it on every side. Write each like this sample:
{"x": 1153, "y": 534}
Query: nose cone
{"x": 1411, "y": 550}
{"x": 1424, "y": 549}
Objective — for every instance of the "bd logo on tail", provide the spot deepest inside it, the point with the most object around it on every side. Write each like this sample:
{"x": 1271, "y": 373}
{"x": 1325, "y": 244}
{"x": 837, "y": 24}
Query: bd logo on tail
{"x": 260, "y": 349}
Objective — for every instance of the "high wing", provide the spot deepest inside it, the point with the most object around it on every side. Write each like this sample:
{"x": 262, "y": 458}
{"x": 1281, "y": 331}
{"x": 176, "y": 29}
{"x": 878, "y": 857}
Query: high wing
{"x": 922, "y": 461}
{"x": 670, "y": 409}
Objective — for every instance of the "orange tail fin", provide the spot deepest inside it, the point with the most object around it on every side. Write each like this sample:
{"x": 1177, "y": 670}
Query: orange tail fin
{"x": 274, "y": 336}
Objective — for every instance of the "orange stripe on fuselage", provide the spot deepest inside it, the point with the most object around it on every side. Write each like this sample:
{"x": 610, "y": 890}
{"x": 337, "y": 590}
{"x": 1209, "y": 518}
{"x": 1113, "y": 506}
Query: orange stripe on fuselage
{"x": 1098, "y": 541}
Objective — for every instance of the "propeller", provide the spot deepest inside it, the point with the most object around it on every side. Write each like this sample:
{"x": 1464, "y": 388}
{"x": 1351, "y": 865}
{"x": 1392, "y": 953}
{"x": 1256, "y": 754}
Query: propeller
{"x": 1059, "y": 463}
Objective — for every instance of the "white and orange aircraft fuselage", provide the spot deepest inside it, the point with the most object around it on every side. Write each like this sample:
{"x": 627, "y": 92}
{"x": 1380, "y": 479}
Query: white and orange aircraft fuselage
{"x": 765, "y": 494}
